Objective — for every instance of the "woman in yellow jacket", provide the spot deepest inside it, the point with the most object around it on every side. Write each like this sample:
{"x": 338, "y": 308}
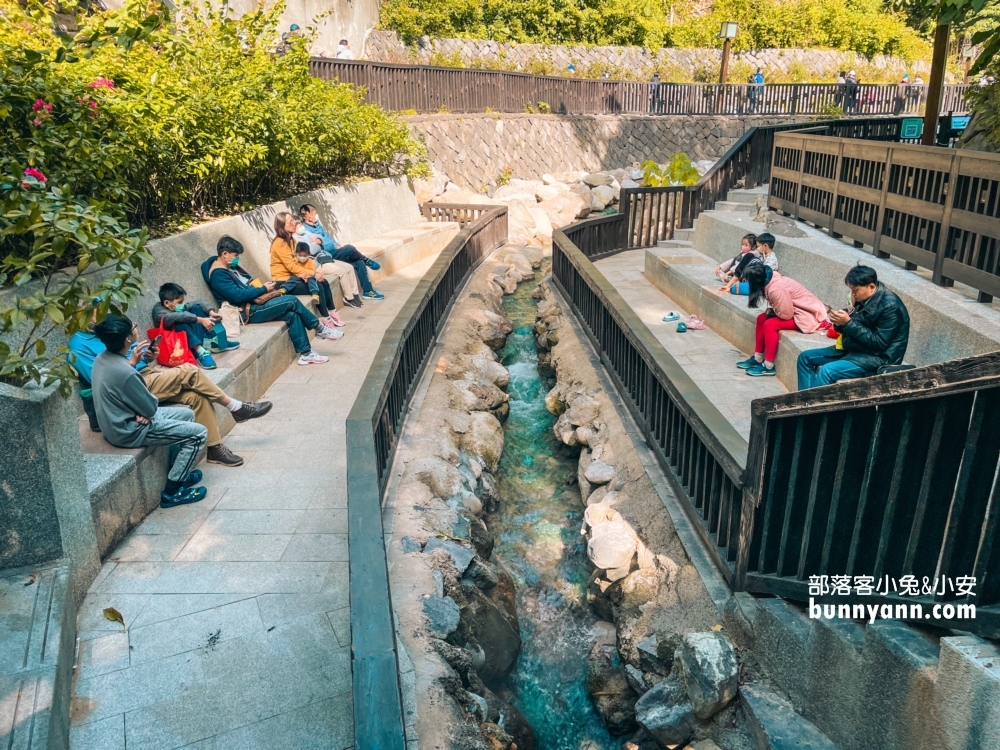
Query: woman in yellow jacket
{"x": 286, "y": 267}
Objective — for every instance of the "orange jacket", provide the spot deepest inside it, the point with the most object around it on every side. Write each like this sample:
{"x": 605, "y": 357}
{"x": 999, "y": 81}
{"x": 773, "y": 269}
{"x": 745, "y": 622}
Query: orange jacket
{"x": 284, "y": 264}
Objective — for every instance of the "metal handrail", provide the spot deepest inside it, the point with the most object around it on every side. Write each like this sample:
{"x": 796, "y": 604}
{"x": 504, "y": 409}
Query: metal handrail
{"x": 372, "y": 433}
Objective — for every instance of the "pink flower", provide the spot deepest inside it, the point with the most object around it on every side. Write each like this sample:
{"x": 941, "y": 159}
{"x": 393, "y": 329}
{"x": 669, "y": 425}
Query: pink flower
{"x": 36, "y": 173}
{"x": 92, "y": 104}
{"x": 41, "y": 104}
{"x": 37, "y": 123}
{"x": 101, "y": 83}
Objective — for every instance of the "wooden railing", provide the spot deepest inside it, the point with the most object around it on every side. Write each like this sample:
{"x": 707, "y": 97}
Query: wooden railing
{"x": 461, "y": 213}
{"x": 893, "y": 475}
{"x": 372, "y": 433}
{"x": 701, "y": 452}
{"x": 425, "y": 88}
{"x": 933, "y": 208}
{"x": 887, "y": 476}
{"x": 650, "y": 214}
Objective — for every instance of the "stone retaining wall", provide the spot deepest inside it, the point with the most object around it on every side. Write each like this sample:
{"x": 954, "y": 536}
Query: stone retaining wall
{"x": 386, "y": 46}
{"x": 473, "y": 150}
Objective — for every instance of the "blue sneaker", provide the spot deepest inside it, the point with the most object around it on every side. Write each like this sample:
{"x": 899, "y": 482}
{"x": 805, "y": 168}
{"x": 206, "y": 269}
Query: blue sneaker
{"x": 758, "y": 370}
{"x": 206, "y": 361}
{"x": 183, "y": 496}
{"x": 372, "y": 264}
{"x": 372, "y": 294}
{"x": 746, "y": 364}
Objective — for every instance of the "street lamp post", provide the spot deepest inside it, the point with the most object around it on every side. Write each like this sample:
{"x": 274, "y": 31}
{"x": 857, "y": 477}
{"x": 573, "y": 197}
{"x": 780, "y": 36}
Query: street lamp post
{"x": 728, "y": 33}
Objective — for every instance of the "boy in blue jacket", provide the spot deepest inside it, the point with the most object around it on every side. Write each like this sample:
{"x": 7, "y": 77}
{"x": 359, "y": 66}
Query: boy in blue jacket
{"x": 313, "y": 227}
{"x": 260, "y": 302}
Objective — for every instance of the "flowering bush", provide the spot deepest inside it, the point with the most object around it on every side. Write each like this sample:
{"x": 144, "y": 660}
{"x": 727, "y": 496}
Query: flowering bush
{"x": 144, "y": 117}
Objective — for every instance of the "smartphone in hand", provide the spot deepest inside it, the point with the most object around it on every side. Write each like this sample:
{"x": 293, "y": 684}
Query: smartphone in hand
{"x": 156, "y": 341}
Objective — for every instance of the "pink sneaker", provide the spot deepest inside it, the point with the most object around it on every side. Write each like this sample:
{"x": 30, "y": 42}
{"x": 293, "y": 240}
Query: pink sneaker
{"x": 696, "y": 324}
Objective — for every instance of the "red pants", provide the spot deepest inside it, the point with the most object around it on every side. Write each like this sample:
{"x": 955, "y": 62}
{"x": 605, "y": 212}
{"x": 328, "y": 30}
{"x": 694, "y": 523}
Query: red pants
{"x": 768, "y": 330}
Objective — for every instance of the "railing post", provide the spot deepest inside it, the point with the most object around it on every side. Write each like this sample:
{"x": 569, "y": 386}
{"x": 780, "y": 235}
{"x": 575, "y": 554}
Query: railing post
{"x": 880, "y": 224}
{"x": 943, "y": 240}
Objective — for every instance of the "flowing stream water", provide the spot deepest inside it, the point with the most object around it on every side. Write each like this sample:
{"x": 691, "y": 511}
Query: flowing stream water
{"x": 537, "y": 531}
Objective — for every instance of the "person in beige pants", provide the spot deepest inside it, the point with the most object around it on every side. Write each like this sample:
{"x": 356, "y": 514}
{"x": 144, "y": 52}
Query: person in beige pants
{"x": 190, "y": 386}
{"x": 348, "y": 277}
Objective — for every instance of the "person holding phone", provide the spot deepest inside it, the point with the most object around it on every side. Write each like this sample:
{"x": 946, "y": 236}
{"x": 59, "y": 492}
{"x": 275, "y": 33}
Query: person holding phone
{"x": 185, "y": 384}
{"x": 200, "y": 322}
{"x": 874, "y": 332}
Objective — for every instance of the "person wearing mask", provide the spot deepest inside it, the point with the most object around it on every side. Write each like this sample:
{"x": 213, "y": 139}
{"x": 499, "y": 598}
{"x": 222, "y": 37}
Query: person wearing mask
{"x": 198, "y": 320}
{"x": 344, "y": 51}
{"x": 317, "y": 288}
{"x": 131, "y": 417}
{"x": 184, "y": 384}
{"x": 259, "y": 301}
{"x": 317, "y": 235}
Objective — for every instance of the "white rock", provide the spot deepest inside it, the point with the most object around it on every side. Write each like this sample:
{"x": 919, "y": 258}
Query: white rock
{"x": 549, "y": 179}
{"x": 565, "y": 208}
{"x": 598, "y": 178}
{"x": 629, "y": 184}
{"x": 600, "y": 473}
{"x": 431, "y": 188}
{"x": 604, "y": 193}
{"x": 596, "y": 204}
{"x": 548, "y": 192}
{"x": 612, "y": 544}
{"x": 484, "y": 439}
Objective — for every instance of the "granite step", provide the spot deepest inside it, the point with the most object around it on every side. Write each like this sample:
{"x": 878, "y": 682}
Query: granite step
{"x": 775, "y": 723}
{"x": 37, "y": 645}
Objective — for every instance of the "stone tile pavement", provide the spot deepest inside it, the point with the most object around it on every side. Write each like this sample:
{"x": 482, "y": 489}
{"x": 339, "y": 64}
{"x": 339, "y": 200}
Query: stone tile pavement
{"x": 237, "y": 607}
{"x": 708, "y": 358}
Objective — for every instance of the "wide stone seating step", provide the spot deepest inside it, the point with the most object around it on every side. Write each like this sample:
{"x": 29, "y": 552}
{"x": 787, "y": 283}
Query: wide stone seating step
{"x": 688, "y": 277}
{"x": 124, "y": 485}
{"x": 944, "y": 323}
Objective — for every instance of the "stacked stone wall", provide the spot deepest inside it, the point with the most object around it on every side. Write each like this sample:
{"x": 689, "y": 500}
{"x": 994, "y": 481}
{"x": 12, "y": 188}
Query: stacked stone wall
{"x": 473, "y": 150}
{"x": 386, "y": 46}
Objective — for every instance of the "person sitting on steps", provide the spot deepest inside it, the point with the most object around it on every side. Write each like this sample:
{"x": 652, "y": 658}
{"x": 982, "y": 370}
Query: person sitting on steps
{"x": 346, "y": 253}
{"x": 791, "y": 307}
{"x": 199, "y": 322}
{"x": 316, "y": 286}
{"x": 185, "y": 384}
{"x": 726, "y": 271}
{"x": 874, "y": 332}
{"x": 261, "y": 302}
{"x": 294, "y": 277}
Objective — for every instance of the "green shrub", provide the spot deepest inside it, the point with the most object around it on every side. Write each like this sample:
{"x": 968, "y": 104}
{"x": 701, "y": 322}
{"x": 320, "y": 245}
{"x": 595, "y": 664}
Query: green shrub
{"x": 147, "y": 118}
{"x": 544, "y": 108}
{"x": 678, "y": 171}
{"x": 864, "y": 26}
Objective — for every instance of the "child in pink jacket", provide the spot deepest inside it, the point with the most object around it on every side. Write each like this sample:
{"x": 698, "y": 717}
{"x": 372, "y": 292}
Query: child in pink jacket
{"x": 794, "y": 308}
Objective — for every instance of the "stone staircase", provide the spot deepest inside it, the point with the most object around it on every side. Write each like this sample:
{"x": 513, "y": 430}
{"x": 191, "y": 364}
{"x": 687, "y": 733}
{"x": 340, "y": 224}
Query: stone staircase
{"x": 840, "y": 683}
{"x": 683, "y": 269}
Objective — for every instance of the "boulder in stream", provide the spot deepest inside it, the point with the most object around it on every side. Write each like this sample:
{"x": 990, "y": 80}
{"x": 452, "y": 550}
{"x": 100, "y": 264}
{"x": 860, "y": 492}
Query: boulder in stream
{"x": 484, "y": 439}
{"x": 664, "y": 712}
{"x": 710, "y": 671}
{"x": 607, "y": 684}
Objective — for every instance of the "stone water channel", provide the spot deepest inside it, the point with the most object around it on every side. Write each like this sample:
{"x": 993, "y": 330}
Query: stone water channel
{"x": 537, "y": 531}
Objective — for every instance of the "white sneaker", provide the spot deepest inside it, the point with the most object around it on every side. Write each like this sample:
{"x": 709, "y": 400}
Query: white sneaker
{"x": 325, "y": 332}
{"x": 312, "y": 358}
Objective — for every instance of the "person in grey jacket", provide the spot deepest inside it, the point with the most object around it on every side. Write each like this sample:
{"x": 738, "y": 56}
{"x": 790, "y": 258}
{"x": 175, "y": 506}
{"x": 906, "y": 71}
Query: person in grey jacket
{"x": 131, "y": 417}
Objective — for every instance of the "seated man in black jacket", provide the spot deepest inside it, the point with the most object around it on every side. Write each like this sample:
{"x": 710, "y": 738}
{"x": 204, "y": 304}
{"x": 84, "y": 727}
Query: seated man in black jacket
{"x": 873, "y": 333}
{"x": 260, "y": 302}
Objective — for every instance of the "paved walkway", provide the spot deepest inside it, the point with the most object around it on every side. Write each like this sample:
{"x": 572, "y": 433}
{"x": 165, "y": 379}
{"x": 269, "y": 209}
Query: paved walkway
{"x": 708, "y": 358}
{"x": 237, "y": 607}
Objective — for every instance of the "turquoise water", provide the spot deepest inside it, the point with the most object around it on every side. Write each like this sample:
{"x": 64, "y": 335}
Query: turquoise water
{"x": 537, "y": 531}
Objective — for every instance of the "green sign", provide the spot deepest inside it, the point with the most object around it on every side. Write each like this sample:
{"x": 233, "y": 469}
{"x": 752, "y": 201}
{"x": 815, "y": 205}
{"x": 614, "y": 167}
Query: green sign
{"x": 912, "y": 127}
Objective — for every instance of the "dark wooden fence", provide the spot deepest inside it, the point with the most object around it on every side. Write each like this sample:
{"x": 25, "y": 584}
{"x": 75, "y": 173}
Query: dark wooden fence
{"x": 372, "y": 432}
{"x": 649, "y": 214}
{"x": 425, "y": 88}
{"x": 894, "y": 475}
{"x": 933, "y": 208}
{"x": 700, "y": 450}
